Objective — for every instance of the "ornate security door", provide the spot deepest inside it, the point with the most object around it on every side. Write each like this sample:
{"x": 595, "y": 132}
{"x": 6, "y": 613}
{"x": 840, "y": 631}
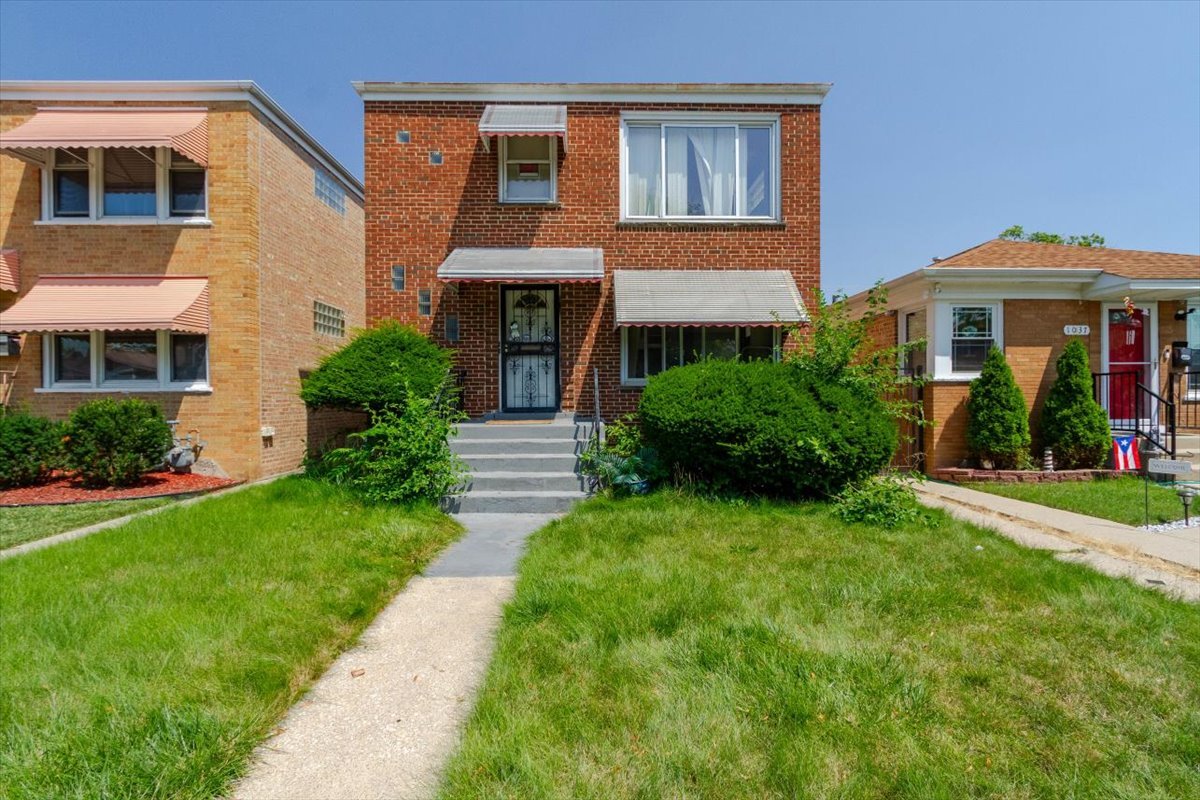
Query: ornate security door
{"x": 529, "y": 348}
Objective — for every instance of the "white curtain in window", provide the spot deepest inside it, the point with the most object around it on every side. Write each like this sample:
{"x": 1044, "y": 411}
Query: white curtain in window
{"x": 642, "y": 186}
{"x": 711, "y": 153}
{"x": 754, "y": 151}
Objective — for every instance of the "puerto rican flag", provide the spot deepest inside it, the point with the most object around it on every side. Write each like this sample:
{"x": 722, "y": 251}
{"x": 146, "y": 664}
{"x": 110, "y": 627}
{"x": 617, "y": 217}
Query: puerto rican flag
{"x": 1125, "y": 453}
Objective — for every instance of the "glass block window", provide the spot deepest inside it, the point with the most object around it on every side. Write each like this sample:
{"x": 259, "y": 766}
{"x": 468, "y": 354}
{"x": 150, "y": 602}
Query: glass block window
{"x": 403, "y": 137}
{"x": 329, "y": 191}
{"x": 425, "y": 302}
{"x": 328, "y": 320}
{"x": 398, "y": 279}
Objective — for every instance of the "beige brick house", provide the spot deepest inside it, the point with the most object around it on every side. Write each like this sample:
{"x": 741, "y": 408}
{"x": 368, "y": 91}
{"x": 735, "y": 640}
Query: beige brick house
{"x": 1137, "y": 311}
{"x": 187, "y": 243}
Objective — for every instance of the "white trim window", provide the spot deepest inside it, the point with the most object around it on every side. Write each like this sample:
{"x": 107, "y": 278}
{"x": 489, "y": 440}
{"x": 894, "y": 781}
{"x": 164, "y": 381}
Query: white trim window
{"x": 1193, "y": 337}
{"x": 143, "y": 361}
{"x": 528, "y": 169}
{"x": 972, "y": 334}
{"x": 700, "y": 167}
{"x": 649, "y": 350}
{"x": 123, "y": 185}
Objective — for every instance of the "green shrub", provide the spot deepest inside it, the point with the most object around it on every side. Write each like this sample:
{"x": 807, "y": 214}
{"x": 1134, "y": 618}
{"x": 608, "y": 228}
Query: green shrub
{"x": 404, "y": 457}
{"x": 30, "y": 447}
{"x": 1074, "y": 425}
{"x": 114, "y": 443}
{"x": 623, "y": 436}
{"x": 764, "y": 429}
{"x": 886, "y": 501}
{"x": 997, "y": 420}
{"x": 377, "y": 370}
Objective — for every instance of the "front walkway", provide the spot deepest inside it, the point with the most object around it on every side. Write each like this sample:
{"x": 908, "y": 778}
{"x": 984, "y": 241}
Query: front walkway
{"x": 385, "y": 717}
{"x": 1164, "y": 560}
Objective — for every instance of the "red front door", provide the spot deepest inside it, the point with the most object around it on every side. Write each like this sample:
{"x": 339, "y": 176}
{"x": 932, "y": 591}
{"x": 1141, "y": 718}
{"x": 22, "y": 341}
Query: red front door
{"x": 1129, "y": 359}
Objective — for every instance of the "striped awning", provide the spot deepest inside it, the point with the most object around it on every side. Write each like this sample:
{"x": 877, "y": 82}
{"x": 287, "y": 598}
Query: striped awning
{"x": 10, "y": 270}
{"x": 524, "y": 264}
{"x": 110, "y": 303}
{"x": 708, "y": 297}
{"x": 516, "y": 120}
{"x": 183, "y": 130}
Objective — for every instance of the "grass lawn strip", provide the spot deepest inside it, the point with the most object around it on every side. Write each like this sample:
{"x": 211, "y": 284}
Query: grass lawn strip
{"x": 667, "y": 647}
{"x": 148, "y": 660}
{"x": 29, "y": 523}
{"x": 1118, "y": 499}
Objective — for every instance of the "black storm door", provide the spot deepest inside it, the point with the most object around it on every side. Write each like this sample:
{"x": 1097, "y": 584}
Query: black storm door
{"x": 529, "y": 348}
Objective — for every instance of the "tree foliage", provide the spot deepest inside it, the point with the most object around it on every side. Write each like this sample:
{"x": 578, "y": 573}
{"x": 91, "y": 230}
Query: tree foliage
{"x": 1017, "y": 234}
{"x": 997, "y": 420}
{"x": 1074, "y": 425}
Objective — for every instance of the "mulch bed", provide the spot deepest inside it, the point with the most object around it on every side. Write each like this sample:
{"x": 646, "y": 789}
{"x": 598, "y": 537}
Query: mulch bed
{"x": 63, "y": 489}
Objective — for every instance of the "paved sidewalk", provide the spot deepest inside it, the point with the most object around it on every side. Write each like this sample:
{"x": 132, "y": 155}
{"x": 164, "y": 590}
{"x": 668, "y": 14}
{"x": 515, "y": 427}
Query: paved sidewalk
{"x": 1169, "y": 560}
{"x": 387, "y": 731}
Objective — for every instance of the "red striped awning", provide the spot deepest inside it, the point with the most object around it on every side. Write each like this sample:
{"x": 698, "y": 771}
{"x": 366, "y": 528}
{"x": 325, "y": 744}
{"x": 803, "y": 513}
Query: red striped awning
{"x": 10, "y": 270}
{"x": 110, "y": 303}
{"x": 183, "y": 130}
{"x": 519, "y": 120}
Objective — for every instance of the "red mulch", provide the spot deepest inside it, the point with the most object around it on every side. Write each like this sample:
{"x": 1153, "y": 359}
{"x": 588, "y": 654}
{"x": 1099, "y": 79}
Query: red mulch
{"x": 62, "y": 489}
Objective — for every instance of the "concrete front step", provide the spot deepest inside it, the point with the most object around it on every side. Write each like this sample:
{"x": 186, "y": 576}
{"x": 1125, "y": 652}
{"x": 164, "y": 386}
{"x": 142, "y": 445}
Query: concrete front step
{"x": 515, "y": 446}
{"x": 522, "y": 462}
{"x": 554, "y": 430}
{"x": 525, "y": 502}
{"x": 502, "y": 481}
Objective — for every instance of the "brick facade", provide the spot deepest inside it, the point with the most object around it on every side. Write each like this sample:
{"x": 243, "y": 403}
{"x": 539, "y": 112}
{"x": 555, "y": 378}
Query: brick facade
{"x": 271, "y": 249}
{"x": 417, "y": 213}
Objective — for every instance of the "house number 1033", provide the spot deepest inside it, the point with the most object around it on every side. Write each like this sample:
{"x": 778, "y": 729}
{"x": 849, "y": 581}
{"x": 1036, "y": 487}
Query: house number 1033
{"x": 1076, "y": 330}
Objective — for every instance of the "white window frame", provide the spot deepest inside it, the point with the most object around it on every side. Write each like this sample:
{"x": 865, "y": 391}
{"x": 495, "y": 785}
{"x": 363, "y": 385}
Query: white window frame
{"x": 626, "y": 380}
{"x": 1193, "y": 305}
{"x": 96, "y": 383}
{"x": 941, "y": 340}
{"x": 502, "y": 155}
{"x": 668, "y": 119}
{"x": 96, "y": 215}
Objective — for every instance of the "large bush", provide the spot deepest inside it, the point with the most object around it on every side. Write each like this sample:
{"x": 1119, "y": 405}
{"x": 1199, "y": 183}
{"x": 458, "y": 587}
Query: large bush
{"x": 764, "y": 428}
{"x": 377, "y": 370}
{"x": 404, "y": 457}
{"x": 997, "y": 420}
{"x": 113, "y": 443}
{"x": 30, "y": 447}
{"x": 1074, "y": 425}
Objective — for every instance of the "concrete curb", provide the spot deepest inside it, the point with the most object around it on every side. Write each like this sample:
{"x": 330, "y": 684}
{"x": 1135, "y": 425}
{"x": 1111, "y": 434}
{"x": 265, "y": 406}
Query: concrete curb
{"x": 116, "y": 522}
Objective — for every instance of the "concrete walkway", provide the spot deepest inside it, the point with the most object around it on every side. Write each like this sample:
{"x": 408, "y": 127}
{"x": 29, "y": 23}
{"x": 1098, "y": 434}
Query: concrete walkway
{"x": 385, "y": 717}
{"x": 1169, "y": 561}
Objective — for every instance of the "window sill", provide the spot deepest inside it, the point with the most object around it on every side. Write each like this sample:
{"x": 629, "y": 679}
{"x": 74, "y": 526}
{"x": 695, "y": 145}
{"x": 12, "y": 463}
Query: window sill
{"x": 180, "y": 389}
{"x": 633, "y": 385}
{"x": 179, "y": 222}
{"x": 529, "y": 203}
{"x": 700, "y": 222}
{"x": 956, "y": 377}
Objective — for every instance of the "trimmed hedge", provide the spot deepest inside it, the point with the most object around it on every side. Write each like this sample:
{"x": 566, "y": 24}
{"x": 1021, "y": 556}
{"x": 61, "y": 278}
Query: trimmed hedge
{"x": 376, "y": 370}
{"x": 30, "y": 447}
{"x": 1074, "y": 425}
{"x": 114, "y": 443}
{"x": 997, "y": 419}
{"x": 763, "y": 428}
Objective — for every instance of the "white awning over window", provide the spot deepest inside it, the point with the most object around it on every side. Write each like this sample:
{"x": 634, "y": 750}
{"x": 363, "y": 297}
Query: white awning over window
{"x": 515, "y": 120}
{"x": 523, "y": 264}
{"x": 710, "y": 297}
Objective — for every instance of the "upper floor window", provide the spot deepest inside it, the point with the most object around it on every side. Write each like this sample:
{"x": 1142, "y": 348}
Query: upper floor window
{"x": 528, "y": 169}
{"x": 124, "y": 183}
{"x": 329, "y": 191}
{"x": 720, "y": 168}
{"x": 328, "y": 319}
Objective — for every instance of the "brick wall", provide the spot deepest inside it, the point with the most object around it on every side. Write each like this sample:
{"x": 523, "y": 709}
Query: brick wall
{"x": 418, "y": 213}
{"x": 946, "y": 438}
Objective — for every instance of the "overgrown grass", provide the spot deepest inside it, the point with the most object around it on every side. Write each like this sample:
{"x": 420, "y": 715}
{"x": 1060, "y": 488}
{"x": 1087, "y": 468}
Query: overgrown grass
{"x": 1120, "y": 499}
{"x": 25, "y": 524}
{"x": 147, "y": 661}
{"x": 668, "y": 647}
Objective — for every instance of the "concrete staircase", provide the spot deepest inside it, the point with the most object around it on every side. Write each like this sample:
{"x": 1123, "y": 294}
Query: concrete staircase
{"x": 521, "y": 466}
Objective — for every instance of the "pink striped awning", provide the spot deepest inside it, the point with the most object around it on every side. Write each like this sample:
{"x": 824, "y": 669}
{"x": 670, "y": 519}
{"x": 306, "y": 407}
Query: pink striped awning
{"x": 514, "y": 120}
{"x": 10, "y": 270}
{"x": 183, "y": 130}
{"x": 110, "y": 303}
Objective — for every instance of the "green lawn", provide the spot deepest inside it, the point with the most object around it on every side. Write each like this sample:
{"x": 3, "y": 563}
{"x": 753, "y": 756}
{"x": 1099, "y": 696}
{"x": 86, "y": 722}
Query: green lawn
{"x": 1119, "y": 499}
{"x": 20, "y": 525}
{"x": 148, "y": 660}
{"x": 674, "y": 648}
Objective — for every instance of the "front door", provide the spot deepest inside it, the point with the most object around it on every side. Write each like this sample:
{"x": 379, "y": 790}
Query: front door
{"x": 1130, "y": 361}
{"x": 529, "y": 348}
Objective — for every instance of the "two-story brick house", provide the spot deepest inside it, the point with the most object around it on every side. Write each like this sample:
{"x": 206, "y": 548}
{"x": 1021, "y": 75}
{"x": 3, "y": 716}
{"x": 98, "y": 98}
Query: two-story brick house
{"x": 544, "y": 230}
{"x": 187, "y": 243}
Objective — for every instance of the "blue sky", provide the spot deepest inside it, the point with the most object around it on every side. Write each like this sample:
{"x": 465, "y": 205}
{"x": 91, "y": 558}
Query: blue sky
{"x": 946, "y": 124}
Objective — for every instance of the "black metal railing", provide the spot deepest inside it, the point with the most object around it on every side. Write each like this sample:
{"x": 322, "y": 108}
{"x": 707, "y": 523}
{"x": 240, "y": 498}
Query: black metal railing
{"x": 1134, "y": 407}
{"x": 1183, "y": 389}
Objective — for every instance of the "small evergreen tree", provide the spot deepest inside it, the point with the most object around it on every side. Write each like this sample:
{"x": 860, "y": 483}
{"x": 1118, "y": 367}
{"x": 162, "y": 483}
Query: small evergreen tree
{"x": 997, "y": 421}
{"x": 1074, "y": 425}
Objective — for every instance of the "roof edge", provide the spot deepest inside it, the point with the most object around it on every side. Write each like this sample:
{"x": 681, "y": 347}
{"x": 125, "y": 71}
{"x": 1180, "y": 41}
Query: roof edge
{"x": 211, "y": 91}
{"x": 746, "y": 93}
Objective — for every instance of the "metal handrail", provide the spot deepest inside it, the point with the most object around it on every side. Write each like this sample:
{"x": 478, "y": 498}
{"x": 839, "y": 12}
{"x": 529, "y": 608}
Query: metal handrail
{"x": 1144, "y": 399}
{"x": 597, "y": 422}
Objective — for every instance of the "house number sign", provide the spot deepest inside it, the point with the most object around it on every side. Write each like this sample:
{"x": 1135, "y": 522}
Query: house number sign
{"x": 1077, "y": 330}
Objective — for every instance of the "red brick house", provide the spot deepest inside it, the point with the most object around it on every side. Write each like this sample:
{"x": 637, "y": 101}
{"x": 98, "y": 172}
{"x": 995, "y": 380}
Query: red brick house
{"x": 183, "y": 242}
{"x": 548, "y": 230}
{"x": 1029, "y": 299}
